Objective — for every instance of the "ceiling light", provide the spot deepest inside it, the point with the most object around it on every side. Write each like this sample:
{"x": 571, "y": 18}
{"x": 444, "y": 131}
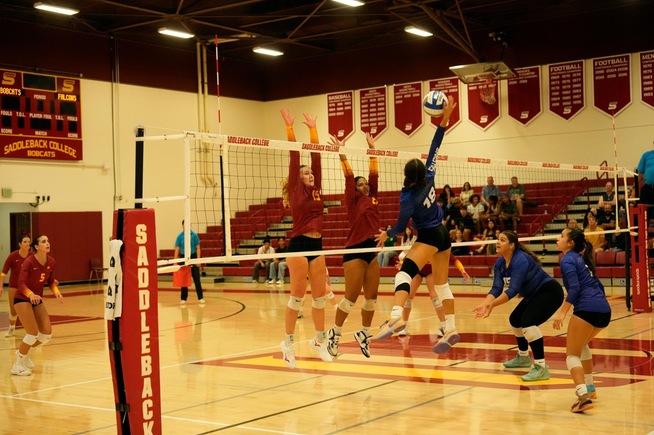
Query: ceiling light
{"x": 267, "y": 51}
{"x": 353, "y": 3}
{"x": 175, "y": 33}
{"x": 56, "y": 9}
{"x": 417, "y": 31}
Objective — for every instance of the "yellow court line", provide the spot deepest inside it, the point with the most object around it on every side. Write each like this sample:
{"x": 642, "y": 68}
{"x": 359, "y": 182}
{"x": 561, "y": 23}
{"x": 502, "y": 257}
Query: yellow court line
{"x": 405, "y": 372}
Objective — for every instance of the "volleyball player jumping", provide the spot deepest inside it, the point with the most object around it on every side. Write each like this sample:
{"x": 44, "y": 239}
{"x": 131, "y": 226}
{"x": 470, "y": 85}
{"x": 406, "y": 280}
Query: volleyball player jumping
{"x": 302, "y": 192}
{"x": 361, "y": 270}
{"x": 418, "y": 202}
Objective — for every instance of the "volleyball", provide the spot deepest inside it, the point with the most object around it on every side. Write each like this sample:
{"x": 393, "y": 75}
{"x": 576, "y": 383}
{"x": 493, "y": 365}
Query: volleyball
{"x": 434, "y": 102}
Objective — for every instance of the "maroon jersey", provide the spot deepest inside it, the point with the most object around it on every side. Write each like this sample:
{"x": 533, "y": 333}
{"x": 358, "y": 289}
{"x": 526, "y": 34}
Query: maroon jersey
{"x": 306, "y": 203}
{"x": 34, "y": 276}
{"x": 362, "y": 210}
{"x": 13, "y": 263}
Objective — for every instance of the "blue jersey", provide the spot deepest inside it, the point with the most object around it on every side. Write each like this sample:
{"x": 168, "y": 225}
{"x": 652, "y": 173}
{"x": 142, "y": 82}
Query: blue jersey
{"x": 420, "y": 204}
{"x": 585, "y": 292}
{"x": 195, "y": 241}
{"x": 646, "y": 167}
{"x": 524, "y": 276}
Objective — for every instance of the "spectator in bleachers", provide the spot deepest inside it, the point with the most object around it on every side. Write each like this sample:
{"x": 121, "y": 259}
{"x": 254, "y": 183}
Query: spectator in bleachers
{"x": 384, "y": 257}
{"x": 459, "y": 250}
{"x": 508, "y": 213}
{"x": 492, "y": 212}
{"x": 452, "y": 214}
{"x": 465, "y": 223}
{"x": 489, "y": 190}
{"x": 517, "y": 194}
{"x": 476, "y": 209}
{"x": 264, "y": 249}
{"x": 466, "y": 193}
{"x": 620, "y": 243}
{"x": 607, "y": 196}
{"x": 446, "y": 197}
{"x": 279, "y": 264}
{"x": 572, "y": 224}
{"x": 597, "y": 239}
{"x": 606, "y": 219}
{"x": 622, "y": 202}
{"x": 489, "y": 233}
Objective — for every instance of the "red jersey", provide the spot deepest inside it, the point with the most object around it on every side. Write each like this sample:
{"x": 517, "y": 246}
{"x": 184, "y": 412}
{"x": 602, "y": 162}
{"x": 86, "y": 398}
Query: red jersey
{"x": 34, "y": 276}
{"x": 13, "y": 263}
{"x": 362, "y": 210}
{"x": 307, "y": 207}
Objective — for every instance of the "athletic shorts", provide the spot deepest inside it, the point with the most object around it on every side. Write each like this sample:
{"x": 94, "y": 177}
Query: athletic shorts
{"x": 598, "y": 320}
{"x": 18, "y": 301}
{"x": 365, "y": 256}
{"x": 304, "y": 243}
{"x": 438, "y": 237}
{"x": 425, "y": 271}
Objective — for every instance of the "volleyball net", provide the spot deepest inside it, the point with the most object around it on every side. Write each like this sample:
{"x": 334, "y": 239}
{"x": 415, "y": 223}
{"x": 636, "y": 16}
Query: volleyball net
{"x": 233, "y": 197}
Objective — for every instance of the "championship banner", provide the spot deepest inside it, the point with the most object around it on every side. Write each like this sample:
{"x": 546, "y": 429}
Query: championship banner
{"x": 483, "y": 103}
{"x": 450, "y": 87}
{"x": 566, "y": 88}
{"x": 647, "y": 77}
{"x": 524, "y": 95}
{"x": 41, "y": 116}
{"x": 612, "y": 83}
{"x": 372, "y": 110}
{"x": 407, "y": 100}
{"x": 340, "y": 114}
{"x": 134, "y": 337}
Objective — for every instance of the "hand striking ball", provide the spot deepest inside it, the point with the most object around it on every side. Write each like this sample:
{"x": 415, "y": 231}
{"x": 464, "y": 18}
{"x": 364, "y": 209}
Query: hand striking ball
{"x": 434, "y": 102}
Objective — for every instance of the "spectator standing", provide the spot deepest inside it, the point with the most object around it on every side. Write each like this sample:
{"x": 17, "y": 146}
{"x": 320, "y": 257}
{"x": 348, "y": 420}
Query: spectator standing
{"x": 195, "y": 270}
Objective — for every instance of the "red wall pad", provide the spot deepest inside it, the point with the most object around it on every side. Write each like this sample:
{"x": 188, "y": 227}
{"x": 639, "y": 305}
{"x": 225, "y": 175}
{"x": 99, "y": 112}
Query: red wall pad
{"x": 134, "y": 337}
{"x": 641, "y": 301}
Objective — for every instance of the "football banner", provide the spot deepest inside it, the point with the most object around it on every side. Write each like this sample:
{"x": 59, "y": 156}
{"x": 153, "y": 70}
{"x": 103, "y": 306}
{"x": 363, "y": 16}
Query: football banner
{"x": 612, "y": 84}
{"x": 566, "y": 88}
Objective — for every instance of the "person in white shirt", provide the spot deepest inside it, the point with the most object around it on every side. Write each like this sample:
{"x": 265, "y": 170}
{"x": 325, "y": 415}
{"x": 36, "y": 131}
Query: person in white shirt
{"x": 266, "y": 264}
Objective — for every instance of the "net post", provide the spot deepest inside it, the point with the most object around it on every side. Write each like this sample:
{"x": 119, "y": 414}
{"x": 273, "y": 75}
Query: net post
{"x": 138, "y": 166}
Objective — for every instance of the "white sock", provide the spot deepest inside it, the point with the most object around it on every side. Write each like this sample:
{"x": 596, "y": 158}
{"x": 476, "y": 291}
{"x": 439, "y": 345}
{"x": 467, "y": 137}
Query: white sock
{"x": 581, "y": 390}
{"x": 449, "y": 322}
{"x": 337, "y": 329}
{"x": 588, "y": 378}
{"x": 320, "y": 336}
{"x": 290, "y": 339}
{"x": 523, "y": 352}
{"x": 366, "y": 330}
{"x": 541, "y": 362}
{"x": 396, "y": 312}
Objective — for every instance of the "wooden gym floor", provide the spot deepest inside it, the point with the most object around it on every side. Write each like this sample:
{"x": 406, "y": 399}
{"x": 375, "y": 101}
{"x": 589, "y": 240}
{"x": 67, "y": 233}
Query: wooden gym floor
{"x": 221, "y": 372}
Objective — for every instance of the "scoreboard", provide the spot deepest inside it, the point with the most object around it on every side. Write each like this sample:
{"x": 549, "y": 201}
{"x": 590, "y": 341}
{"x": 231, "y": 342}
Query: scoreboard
{"x": 41, "y": 116}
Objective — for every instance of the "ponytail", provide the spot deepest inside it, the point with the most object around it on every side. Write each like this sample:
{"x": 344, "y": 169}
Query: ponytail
{"x": 583, "y": 247}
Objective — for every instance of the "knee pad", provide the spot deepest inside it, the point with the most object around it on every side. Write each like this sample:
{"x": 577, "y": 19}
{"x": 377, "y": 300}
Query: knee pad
{"x": 345, "y": 305}
{"x": 572, "y": 361}
{"x": 13, "y": 318}
{"x": 408, "y": 303}
{"x": 532, "y": 333}
{"x": 444, "y": 292}
{"x": 294, "y": 303}
{"x": 44, "y": 338}
{"x": 30, "y": 339}
{"x": 318, "y": 303}
{"x": 402, "y": 282}
{"x": 518, "y": 332}
{"x": 585, "y": 353}
{"x": 436, "y": 302}
{"x": 369, "y": 304}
